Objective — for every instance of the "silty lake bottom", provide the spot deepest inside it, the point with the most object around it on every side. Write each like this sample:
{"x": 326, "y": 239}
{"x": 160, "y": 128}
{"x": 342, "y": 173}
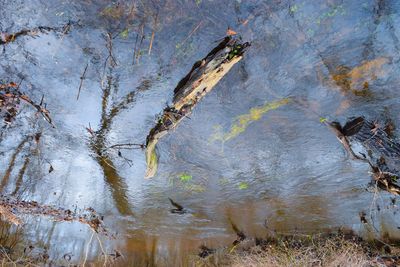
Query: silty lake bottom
{"x": 255, "y": 154}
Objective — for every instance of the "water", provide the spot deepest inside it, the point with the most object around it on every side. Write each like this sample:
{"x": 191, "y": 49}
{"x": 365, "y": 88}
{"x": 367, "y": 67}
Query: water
{"x": 340, "y": 58}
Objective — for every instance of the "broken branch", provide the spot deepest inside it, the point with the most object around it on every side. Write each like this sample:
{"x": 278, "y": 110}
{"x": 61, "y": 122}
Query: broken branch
{"x": 201, "y": 79}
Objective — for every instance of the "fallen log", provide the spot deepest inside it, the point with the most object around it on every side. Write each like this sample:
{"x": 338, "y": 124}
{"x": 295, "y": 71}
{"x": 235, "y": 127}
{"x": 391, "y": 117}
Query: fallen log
{"x": 201, "y": 79}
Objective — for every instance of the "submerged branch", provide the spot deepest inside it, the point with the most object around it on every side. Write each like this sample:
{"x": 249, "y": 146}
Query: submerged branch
{"x": 201, "y": 79}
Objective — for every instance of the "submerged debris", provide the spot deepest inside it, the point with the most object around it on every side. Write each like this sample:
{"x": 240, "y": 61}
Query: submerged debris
{"x": 358, "y": 79}
{"x": 6, "y": 38}
{"x": 13, "y": 209}
{"x": 205, "y": 251}
{"x": 240, "y": 236}
{"x": 10, "y": 99}
{"x": 203, "y": 76}
{"x": 178, "y": 208}
{"x": 363, "y": 218}
{"x": 386, "y": 181}
{"x": 383, "y": 152}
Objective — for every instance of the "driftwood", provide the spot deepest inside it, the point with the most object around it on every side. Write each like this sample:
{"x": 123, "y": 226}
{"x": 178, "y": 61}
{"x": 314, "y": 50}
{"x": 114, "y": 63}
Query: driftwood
{"x": 201, "y": 79}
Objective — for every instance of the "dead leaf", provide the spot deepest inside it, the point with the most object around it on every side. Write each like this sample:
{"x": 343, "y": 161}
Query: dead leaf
{"x": 230, "y": 32}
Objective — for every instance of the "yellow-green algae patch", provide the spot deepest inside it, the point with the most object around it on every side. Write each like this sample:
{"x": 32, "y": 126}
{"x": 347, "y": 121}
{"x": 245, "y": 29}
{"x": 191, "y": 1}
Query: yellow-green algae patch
{"x": 242, "y": 122}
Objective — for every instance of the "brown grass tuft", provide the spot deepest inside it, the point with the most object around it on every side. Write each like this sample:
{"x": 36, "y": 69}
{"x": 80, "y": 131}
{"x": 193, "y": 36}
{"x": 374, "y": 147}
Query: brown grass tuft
{"x": 310, "y": 251}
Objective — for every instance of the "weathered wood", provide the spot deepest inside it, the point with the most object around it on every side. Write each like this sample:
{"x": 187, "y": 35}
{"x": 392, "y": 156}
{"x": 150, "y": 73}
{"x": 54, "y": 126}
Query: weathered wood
{"x": 201, "y": 79}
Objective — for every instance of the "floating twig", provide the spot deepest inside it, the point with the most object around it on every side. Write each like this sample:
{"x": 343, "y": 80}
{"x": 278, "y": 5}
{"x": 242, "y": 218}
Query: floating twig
{"x": 128, "y": 146}
{"x": 82, "y": 78}
{"x": 153, "y": 34}
{"x": 40, "y": 109}
{"x": 191, "y": 33}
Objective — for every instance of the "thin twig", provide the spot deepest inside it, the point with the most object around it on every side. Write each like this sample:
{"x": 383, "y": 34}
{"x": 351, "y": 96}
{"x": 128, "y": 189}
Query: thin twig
{"x": 151, "y": 42}
{"x": 192, "y": 32}
{"x": 153, "y": 33}
{"x": 81, "y": 83}
{"x": 87, "y": 249}
{"x": 140, "y": 44}
{"x": 102, "y": 250}
{"x": 22, "y": 79}
{"x": 42, "y": 110}
{"x": 134, "y": 50}
{"x": 126, "y": 145}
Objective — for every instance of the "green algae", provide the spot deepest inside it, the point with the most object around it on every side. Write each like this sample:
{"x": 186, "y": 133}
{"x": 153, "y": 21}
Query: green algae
{"x": 243, "y": 121}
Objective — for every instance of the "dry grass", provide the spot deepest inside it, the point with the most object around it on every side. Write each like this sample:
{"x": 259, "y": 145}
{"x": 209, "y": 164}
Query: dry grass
{"x": 305, "y": 251}
{"x": 327, "y": 254}
{"x": 331, "y": 251}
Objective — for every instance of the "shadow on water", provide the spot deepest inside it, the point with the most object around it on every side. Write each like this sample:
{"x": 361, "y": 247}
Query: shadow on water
{"x": 99, "y": 144}
{"x": 21, "y": 157}
{"x": 14, "y": 156}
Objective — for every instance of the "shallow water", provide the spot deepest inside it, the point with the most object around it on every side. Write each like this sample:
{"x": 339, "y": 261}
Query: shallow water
{"x": 339, "y": 58}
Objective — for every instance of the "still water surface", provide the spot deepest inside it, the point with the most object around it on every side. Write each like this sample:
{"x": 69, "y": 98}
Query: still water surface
{"x": 235, "y": 159}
